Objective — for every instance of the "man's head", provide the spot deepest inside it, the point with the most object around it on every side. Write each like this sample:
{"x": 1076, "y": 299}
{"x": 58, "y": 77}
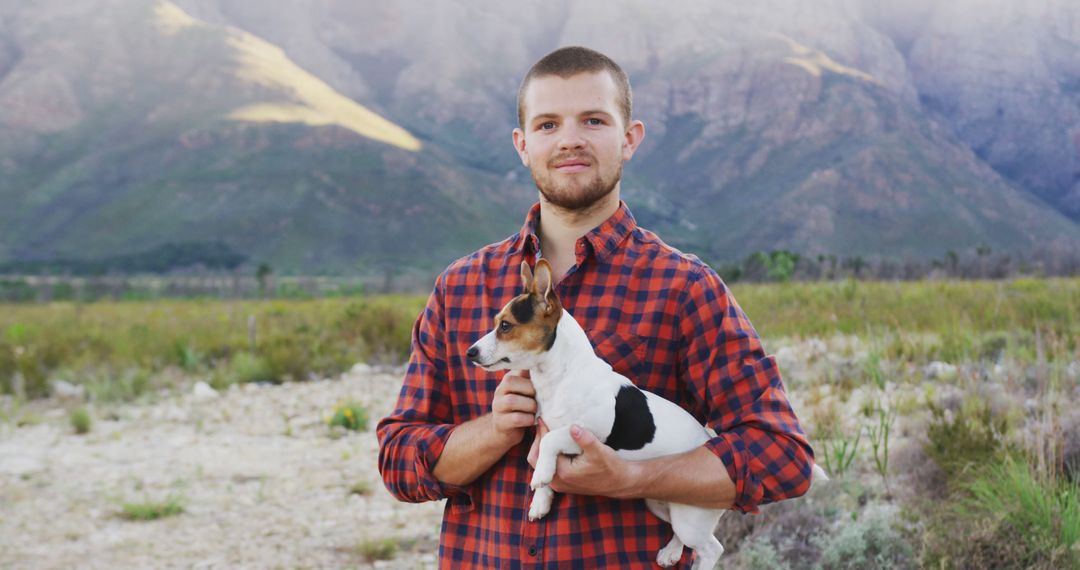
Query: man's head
{"x": 574, "y": 110}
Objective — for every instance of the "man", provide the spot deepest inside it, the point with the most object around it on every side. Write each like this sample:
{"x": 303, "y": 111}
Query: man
{"x": 662, "y": 318}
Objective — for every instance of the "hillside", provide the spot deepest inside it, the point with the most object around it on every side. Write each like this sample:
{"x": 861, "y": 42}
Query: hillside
{"x": 345, "y": 136}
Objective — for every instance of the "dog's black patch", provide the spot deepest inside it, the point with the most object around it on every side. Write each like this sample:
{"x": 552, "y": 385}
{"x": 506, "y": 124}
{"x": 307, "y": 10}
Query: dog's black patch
{"x": 549, "y": 340}
{"x": 522, "y": 310}
{"x": 634, "y": 425}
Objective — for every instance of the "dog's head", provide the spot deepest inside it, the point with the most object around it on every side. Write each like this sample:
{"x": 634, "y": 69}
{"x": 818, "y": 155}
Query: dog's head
{"x": 524, "y": 328}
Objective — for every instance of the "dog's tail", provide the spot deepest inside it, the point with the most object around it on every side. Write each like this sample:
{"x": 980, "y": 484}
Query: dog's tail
{"x": 817, "y": 475}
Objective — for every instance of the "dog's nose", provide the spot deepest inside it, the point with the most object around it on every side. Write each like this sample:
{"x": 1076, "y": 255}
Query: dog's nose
{"x": 473, "y": 353}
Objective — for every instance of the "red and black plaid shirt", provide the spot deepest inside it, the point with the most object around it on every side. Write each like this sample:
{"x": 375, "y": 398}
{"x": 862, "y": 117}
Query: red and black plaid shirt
{"x": 662, "y": 318}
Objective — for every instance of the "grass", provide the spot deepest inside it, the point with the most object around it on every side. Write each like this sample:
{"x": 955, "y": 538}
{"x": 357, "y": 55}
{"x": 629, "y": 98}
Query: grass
{"x": 121, "y": 349}
{"x": 152, "y": 510}
{"x": 377, "y": 549}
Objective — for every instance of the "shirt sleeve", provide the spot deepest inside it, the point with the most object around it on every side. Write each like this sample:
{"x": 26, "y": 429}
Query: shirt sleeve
{"x": 759, "y": 439}
{"x": 412, "y": 437}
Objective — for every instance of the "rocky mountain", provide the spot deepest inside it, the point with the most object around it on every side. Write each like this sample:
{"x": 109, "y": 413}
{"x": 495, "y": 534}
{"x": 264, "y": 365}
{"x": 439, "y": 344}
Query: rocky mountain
{"x": 335, "y": 136}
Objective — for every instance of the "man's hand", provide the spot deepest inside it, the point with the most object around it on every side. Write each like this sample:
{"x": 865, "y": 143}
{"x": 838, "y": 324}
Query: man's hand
{"x": 597, "y": 471}
{"x": 513, "y": 410}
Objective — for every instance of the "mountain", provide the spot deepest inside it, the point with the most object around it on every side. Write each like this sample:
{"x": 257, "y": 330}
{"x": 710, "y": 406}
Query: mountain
{"x": 337, "y": 137}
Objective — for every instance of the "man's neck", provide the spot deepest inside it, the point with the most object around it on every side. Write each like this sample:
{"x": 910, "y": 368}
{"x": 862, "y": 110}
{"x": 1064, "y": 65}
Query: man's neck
{"x": 560, "y": 229}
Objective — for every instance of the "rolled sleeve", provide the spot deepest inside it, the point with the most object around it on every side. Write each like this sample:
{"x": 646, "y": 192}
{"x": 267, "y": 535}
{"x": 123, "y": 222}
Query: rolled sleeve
{"x": 759, "y": 439}
{"x": 413, "y": 436}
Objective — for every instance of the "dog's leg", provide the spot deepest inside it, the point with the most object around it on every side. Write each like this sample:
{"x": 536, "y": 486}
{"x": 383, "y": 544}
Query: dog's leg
{"x": 541, "y": 503}
{"x": 671, "y": 553}
{"x": 694, "y": 526}
{"x": 555, "y": 442}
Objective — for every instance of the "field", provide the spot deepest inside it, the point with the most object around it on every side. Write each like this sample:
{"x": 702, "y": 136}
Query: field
{"x": 942, "y": 409}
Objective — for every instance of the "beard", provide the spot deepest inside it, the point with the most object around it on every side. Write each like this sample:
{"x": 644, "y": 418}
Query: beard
{"x": 572, "y": 194}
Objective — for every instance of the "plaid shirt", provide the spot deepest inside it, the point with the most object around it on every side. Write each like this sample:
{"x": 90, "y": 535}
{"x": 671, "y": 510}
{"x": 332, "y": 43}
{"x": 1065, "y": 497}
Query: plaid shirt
{"x": 662, "y": 318}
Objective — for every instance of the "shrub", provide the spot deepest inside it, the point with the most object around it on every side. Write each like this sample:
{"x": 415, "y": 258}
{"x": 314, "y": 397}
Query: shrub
{"x": 80, "y": 420}
{"x": 871, "y": 541}
{"x": 966, "y": 437}
{"x": 1006, "y": 516}
{"x": 350, "y": 415}
{"x": 247, "y": 367}
{"x": 760, "y": 554}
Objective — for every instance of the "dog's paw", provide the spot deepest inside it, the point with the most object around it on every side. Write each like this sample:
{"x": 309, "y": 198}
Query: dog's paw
{"x": 542, "y": 476}
{"x": 670, "y": 554}
{"x": 541, "y": 503}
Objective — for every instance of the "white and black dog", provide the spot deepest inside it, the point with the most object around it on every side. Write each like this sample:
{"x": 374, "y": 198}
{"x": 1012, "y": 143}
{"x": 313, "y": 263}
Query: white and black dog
{"x": 574, "y": 386}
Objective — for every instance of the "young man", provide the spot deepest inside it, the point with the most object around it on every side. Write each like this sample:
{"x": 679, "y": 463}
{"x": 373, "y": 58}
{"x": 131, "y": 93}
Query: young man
{"x": 659, "y": 316}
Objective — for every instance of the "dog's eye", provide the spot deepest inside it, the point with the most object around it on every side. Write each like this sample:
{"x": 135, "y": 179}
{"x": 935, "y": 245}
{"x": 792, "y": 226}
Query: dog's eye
{"x": 505, "y": 326}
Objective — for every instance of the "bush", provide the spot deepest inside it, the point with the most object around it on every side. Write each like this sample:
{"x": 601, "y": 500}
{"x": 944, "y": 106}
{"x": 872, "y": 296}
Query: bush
{"x": 351, "y": 416}
{"x": 871, "y": 541}
{"x": 966, "y": 437}
{"x": 80, "y": 420}
{"x": 1005, "y": 516}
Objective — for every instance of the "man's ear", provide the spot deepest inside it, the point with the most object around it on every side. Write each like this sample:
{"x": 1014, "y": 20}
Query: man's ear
{"x": 542, "y": 284}
{"x": 635, "y": 133}
{"x": 526, "y": 276}
{"x": 519, "y": 146}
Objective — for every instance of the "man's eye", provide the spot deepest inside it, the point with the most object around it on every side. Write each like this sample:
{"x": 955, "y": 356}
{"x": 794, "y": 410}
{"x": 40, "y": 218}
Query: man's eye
{"x": 504, "y": 326}
{"x": 594, "y": 121}
{"x": 547, "y": 126}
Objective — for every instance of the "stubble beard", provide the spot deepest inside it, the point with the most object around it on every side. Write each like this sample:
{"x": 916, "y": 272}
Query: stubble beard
{"x": 573, "y": 198}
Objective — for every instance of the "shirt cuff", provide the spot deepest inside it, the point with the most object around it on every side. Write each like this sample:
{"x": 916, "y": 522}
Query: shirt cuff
{"x": 430, "y": 448}
{"x": 730, "y": 447}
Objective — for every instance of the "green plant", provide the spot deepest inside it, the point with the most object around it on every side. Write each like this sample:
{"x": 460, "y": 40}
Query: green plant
{"x": 869, "y": 541}
{"x": 378, "y": 549}
{"x": 879, "y": 442}
{"x": 761, "y": 554}
{"x": 350, "y": 415}
{"x": 80, "y": 420}
{"x": 872, "y": 369}
{"x": 967, "y": 437}
{"x": 362, "y": 488}
{"x": 839, "y": 456}
{"x": 152, "y": 510}
{"x": 1006, "y": 515}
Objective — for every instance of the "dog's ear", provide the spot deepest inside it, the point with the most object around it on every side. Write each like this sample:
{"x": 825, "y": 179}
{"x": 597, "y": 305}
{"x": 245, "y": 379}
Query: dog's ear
{"x": 543, "y": 284}
{"x": 526, "y": 276}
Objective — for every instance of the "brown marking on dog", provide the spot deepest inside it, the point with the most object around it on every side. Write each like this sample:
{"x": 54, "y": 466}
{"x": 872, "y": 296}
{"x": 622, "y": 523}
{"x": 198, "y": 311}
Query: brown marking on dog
{"x": 529, "y": 320}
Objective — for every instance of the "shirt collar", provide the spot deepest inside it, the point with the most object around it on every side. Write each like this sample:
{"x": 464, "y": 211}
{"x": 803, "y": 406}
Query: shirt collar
{"x": 604, "y": 239}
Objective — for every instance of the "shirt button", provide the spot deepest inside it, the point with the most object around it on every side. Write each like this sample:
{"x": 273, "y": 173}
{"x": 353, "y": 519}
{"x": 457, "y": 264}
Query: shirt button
{"x": 532, "y": 550}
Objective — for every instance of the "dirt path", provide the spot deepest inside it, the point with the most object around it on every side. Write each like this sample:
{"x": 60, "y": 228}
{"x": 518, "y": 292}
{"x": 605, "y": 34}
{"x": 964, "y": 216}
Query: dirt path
{"x": 263, "y": 482}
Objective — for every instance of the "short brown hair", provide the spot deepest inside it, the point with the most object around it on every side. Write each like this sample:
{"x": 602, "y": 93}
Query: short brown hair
{"x": 570, "y": 61}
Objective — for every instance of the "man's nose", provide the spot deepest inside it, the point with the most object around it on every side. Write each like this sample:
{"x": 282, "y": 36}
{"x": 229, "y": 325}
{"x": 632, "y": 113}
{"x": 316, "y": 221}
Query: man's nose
{"x": 473, "y": 353}
{"x": 571, "y": 138}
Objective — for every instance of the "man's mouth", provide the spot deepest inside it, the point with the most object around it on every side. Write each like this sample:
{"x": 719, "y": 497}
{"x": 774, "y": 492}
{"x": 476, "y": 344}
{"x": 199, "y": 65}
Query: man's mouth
{"x": 572, "y": 165}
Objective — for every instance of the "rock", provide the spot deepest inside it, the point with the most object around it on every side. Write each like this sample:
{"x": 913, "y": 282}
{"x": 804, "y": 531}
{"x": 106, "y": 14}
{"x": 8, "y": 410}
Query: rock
{"x": 361, "y": 368}
{"x": 937, "y": 370}
{"x": 65, "y": 389}
{"x": 203, "y": 391}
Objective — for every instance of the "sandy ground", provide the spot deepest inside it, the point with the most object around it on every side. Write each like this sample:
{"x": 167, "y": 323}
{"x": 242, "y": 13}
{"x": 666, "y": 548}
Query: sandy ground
{"x": 263, "y": 480}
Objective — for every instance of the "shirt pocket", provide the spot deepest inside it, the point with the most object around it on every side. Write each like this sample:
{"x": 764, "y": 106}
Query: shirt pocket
{"x": 624, "y": 352}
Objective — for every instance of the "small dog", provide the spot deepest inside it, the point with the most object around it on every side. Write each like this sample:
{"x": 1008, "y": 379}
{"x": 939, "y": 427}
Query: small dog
{"x": 574, "y": 386}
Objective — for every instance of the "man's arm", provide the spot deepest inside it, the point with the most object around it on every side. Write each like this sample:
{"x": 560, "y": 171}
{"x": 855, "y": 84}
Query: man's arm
{"x": 476, "y": 445}
{"x": 696, "y": 477}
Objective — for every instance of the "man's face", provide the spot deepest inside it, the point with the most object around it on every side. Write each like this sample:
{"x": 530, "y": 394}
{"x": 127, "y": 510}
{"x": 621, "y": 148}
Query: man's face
{"x": 574, "y": 140}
